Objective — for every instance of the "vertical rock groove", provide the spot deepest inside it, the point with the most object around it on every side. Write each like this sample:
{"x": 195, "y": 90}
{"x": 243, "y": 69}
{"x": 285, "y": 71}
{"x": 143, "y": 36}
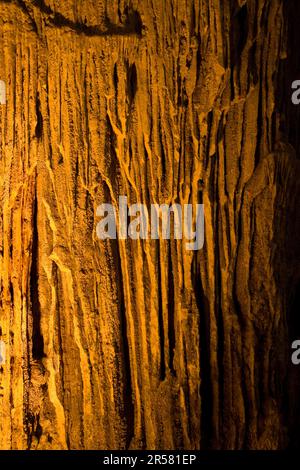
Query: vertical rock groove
{"x": 37, "y": 338}
{"x": 133, "y": 344}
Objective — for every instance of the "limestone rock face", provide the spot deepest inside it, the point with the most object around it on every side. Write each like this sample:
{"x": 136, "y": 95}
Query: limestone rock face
{"x": 114, "y": 344}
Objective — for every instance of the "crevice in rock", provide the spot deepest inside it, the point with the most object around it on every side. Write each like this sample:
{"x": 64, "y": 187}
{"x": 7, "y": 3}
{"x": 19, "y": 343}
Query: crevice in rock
{"x": 37, "y": 337}
{"x": 204, "y": 337}
{"x": 133, "y": 25}
{"x": 171, "y": 313}
{"x": 39, "y": 118}
{"x": 161, "y": 321}
{"x": 128, "y": 408}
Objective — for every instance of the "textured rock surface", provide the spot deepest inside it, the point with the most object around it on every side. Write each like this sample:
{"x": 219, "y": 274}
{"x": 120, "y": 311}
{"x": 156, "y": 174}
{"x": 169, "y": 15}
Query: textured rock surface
{"x": 142, "y": 344}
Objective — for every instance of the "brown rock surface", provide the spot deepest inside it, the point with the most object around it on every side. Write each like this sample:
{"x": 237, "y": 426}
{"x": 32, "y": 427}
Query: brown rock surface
{"x": 142, "y": 344}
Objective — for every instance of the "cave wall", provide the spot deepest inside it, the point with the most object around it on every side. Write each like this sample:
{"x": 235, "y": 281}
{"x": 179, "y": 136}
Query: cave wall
{"x": 114, "y": 344}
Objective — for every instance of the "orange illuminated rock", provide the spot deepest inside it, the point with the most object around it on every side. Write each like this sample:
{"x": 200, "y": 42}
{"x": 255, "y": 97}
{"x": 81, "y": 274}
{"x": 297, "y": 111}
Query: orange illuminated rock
{"x": 114, "y": 344}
